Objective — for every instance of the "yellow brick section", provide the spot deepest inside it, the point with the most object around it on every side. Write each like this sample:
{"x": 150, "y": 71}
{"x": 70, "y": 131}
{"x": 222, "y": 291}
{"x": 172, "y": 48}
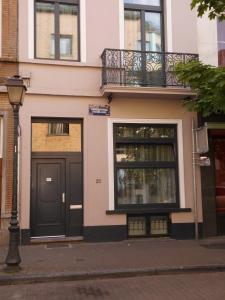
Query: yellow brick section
{"x": 42, "y": 142}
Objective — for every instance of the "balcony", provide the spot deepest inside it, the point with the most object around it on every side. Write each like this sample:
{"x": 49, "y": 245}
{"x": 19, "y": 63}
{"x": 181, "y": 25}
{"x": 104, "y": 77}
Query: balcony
{"x": 137, "y": 72}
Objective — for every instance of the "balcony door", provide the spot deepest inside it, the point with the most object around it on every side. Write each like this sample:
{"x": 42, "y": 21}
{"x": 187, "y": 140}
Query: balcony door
{"x": 143, "y": 35}
{"x": 143, "y": 30}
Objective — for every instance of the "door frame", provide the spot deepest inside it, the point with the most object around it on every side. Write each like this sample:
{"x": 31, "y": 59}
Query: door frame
{"x": 59, "y": 155}
{"x": 204, "y": 171}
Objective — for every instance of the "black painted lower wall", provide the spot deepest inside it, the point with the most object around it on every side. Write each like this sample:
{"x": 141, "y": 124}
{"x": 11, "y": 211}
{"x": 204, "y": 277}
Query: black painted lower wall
{"x": 25, "y": 236}
{"x": 105, "y": 233}
{"x": 184, "y": 231}
{"x": 178, "y": 231}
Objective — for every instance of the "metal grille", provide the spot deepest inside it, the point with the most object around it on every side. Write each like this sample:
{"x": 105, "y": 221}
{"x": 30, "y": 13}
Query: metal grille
{"x": 136, "y": 226}
{"x": 158, "y": 225}
{"x": 138, "y": 68}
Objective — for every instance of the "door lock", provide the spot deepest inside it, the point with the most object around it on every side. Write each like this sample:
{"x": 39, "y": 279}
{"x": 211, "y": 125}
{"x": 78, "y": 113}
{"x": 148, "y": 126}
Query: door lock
{"x": 63, "y": 197}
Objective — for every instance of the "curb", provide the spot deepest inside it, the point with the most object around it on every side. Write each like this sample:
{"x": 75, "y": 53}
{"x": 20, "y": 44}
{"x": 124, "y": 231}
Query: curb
{"x": 117, "y": 273}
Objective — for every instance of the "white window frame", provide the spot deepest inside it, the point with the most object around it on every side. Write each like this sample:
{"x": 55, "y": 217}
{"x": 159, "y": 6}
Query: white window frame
{"x": 177, "y": 122}
{"x": 168, "y": 19}
{"x": 82, "y": 26}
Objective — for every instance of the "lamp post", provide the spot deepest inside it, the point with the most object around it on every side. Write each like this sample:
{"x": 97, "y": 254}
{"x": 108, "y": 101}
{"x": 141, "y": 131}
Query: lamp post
{"x": 16, "y": 91}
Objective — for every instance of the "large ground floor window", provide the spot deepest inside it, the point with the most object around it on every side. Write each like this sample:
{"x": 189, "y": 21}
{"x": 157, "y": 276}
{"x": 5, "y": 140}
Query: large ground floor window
{"x": 146, "y": 165}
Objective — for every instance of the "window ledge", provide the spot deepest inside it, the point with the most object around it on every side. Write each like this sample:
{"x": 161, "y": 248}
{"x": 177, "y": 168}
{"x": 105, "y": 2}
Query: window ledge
{"x": 146, "y": 210}
{"x": 68, "y": 63}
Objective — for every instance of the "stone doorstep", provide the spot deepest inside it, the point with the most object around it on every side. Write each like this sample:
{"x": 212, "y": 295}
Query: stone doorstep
{"x": 58, "y": 239}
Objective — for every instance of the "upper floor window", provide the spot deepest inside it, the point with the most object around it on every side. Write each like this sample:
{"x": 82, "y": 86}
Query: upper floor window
{"x": 57, "y": 29}
{"x": 143, "y": 25}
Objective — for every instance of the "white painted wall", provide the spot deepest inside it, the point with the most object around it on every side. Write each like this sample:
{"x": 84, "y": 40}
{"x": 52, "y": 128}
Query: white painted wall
{"x": 169, "y": 26}
{"x": 207, "y": 40}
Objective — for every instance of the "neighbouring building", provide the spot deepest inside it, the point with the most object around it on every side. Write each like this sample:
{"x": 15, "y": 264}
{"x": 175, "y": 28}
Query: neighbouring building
{"x": 106, "y": 143}
{"x": 8, "y": 68}
{"x": 213, "y": 176}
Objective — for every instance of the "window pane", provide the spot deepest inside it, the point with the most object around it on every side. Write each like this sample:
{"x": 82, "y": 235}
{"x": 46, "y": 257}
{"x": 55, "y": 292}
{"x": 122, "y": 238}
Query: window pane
{"x": 152, "y": 31}
{"x": 129, "y": 153}
{"x": 45, "y": 27}
{"x": 132, "y": 30}
{"x": 58, "y": 128}
{"x": 43, "y": 142}
{"x": 68, "y": 31}
{"x": 146, "y": 186}
{"x": 144, "y": 131}
{"x": 144, "y": 2}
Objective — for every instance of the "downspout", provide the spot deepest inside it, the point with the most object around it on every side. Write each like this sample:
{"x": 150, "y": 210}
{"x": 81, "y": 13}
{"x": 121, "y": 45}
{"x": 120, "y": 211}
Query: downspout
{"x": 194, "y": 188}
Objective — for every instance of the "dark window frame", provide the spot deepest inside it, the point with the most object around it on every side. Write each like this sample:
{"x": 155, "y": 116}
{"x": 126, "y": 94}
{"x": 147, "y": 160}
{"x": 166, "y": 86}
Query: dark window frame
{"x": 57, "y": 28}
{"x": 148, "y": 8}
{"x": 146, "y": 164}
{"x": 65, "y": 129}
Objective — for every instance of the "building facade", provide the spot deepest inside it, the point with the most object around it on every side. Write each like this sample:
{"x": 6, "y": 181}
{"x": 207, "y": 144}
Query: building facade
{"x": 8, "y": 68}
{"x": 106, "y": 144}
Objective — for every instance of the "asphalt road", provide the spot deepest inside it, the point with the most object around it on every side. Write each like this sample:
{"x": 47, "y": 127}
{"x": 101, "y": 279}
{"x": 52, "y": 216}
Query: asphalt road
{"x": 169, "y": 287}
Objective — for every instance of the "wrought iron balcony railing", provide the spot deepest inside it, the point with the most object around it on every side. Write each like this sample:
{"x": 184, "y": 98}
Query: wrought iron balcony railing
{"x": 138, "y": 68}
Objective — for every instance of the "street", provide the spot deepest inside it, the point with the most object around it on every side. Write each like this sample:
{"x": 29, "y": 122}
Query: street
{"x": 196, "y": 286}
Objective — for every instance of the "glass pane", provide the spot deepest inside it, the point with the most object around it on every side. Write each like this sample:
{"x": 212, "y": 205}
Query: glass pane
{"x": 128, "y": 153}
{"x": 45, "y": 27}
{"x": 146, "y": 186}
{"x": 136, "y": 226}
{"x": 132, "y": 30}
{"x": 144, "y": 131}
{"x": 43, "y": 142}
{"x": 68, "y": 31}
{"x": 143, "y": 2}
{"x": 58, "y": 128}
{"x": 152, "y": 31}
{"x": 221, "y": 43}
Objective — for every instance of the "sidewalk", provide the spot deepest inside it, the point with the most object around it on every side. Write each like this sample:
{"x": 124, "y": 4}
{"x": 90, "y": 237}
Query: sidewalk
{"x": 80, "y": 260}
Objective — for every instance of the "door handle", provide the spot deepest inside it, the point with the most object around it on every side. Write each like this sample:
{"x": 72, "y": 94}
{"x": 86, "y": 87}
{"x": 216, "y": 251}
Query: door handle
{"x": 63, "y": 197}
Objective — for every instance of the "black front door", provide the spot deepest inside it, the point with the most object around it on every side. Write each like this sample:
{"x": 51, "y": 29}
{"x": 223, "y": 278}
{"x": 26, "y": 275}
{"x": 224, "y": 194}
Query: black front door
{"x": 48, "y": 197}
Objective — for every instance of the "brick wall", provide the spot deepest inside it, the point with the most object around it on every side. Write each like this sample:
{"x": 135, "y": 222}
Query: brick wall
{"x": 8, "y": 68}
{"x": 9, "y": 29}
{"x": 42, "y": 142}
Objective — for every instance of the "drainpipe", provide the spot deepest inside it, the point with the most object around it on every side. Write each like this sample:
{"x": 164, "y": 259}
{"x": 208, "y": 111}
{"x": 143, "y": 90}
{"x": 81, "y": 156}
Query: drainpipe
{"x": 194, "y": 188}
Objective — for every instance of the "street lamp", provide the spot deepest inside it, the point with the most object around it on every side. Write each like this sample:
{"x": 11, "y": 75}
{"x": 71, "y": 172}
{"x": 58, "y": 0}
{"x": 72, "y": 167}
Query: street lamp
{"x": 16, "y": 91}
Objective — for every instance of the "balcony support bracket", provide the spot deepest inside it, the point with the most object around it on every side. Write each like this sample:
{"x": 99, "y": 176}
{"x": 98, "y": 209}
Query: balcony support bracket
{"x": 110, "y": 97}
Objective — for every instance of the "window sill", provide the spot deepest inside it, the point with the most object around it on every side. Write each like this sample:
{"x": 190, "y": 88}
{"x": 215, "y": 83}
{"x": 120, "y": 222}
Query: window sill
{"x": 58, "y": 63}
{"x": 146, "y": 210}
